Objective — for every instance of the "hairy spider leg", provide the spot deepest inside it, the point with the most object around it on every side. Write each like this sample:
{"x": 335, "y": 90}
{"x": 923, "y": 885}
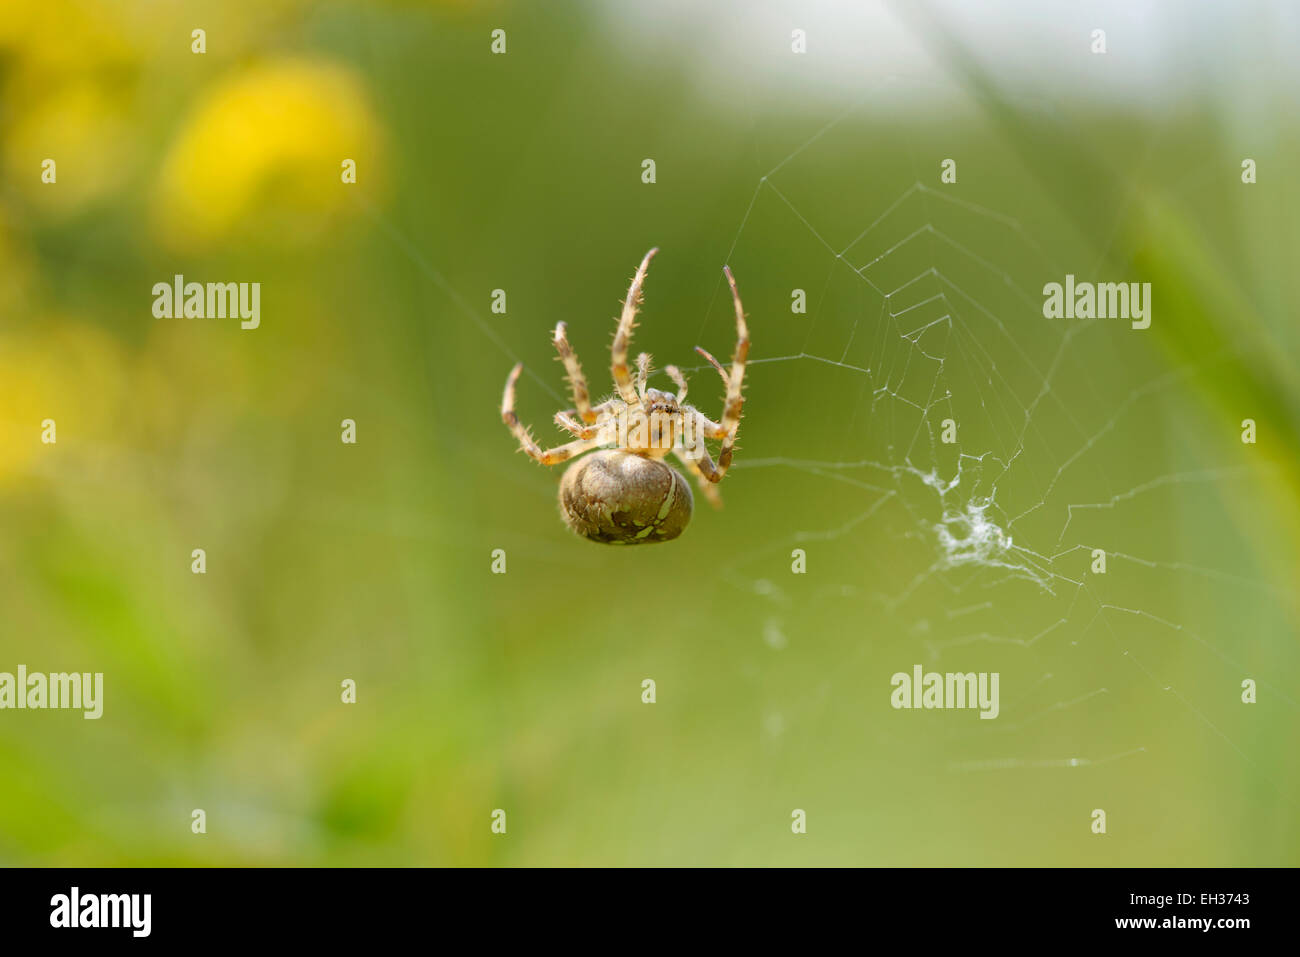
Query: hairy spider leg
{"x": 735, "y": 400}
{"x": 561, "y": 453}
{"x": 708, "y": 488}
{"x": 623, "y": 336}
{"x": 577, "y": 381}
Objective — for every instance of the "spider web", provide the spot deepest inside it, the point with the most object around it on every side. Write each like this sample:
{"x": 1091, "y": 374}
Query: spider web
{"x": 923, "y": 306}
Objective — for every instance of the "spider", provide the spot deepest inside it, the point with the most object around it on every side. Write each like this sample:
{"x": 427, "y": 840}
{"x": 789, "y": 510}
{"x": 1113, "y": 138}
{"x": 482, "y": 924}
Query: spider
{"x": 625, "y": 493}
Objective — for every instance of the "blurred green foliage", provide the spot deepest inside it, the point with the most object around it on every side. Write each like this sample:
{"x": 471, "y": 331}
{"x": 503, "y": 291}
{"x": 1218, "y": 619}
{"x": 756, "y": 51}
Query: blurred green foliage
{"x": 522, "y": 691}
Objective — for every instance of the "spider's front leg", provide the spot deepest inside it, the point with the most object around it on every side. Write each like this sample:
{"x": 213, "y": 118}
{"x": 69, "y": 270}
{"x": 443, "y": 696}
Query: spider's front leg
{"x": 735, "y": 400}
{"x": 623, "y": 336}
{"x": 561, "y": 453}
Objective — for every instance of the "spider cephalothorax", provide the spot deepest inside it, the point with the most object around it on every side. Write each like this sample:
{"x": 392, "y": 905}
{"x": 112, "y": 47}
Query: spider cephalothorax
{"x": 625, "y": 493}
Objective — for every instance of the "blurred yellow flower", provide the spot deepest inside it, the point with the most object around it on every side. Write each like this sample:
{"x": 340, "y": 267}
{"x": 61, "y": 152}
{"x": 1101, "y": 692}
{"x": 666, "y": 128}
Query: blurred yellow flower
{"x": 67, "y": 94}
{"x": 55, "y": 39}
{"x": 264, "y": 152}
{"x": 86, "y": 132}
{"x": 74, "y": 374}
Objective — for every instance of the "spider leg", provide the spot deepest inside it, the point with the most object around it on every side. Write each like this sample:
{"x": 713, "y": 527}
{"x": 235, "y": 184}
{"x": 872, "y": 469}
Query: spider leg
{"x": 577, "y": 381}
{"x": 726, "y": 380}
{"x": 708, "y": 488}
{"x": 735, "y": 399}
{"x": 642, "y": 372}
{"x": 561, "y": 453}
{"x": 566, "y": 421}
{"x": 623, "y": 336}
{"x": 675, "y": 374}
{"x": 713, "y": 430}
{"x": 715, "y": 364}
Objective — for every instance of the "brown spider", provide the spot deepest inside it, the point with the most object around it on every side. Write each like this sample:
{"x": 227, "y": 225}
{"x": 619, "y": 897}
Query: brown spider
{"x": 625, "y": 494}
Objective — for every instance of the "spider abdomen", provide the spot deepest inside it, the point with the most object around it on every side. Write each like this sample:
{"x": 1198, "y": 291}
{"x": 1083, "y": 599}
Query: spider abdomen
{"x": 621, "y": 498}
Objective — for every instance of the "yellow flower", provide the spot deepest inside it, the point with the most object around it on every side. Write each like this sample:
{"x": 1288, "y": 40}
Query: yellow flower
{"x": 264, "y": 152}
{"x": 85, "y": 131}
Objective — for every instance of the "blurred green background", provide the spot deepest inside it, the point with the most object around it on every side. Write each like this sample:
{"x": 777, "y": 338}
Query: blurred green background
{"x": 522, "y": 691}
